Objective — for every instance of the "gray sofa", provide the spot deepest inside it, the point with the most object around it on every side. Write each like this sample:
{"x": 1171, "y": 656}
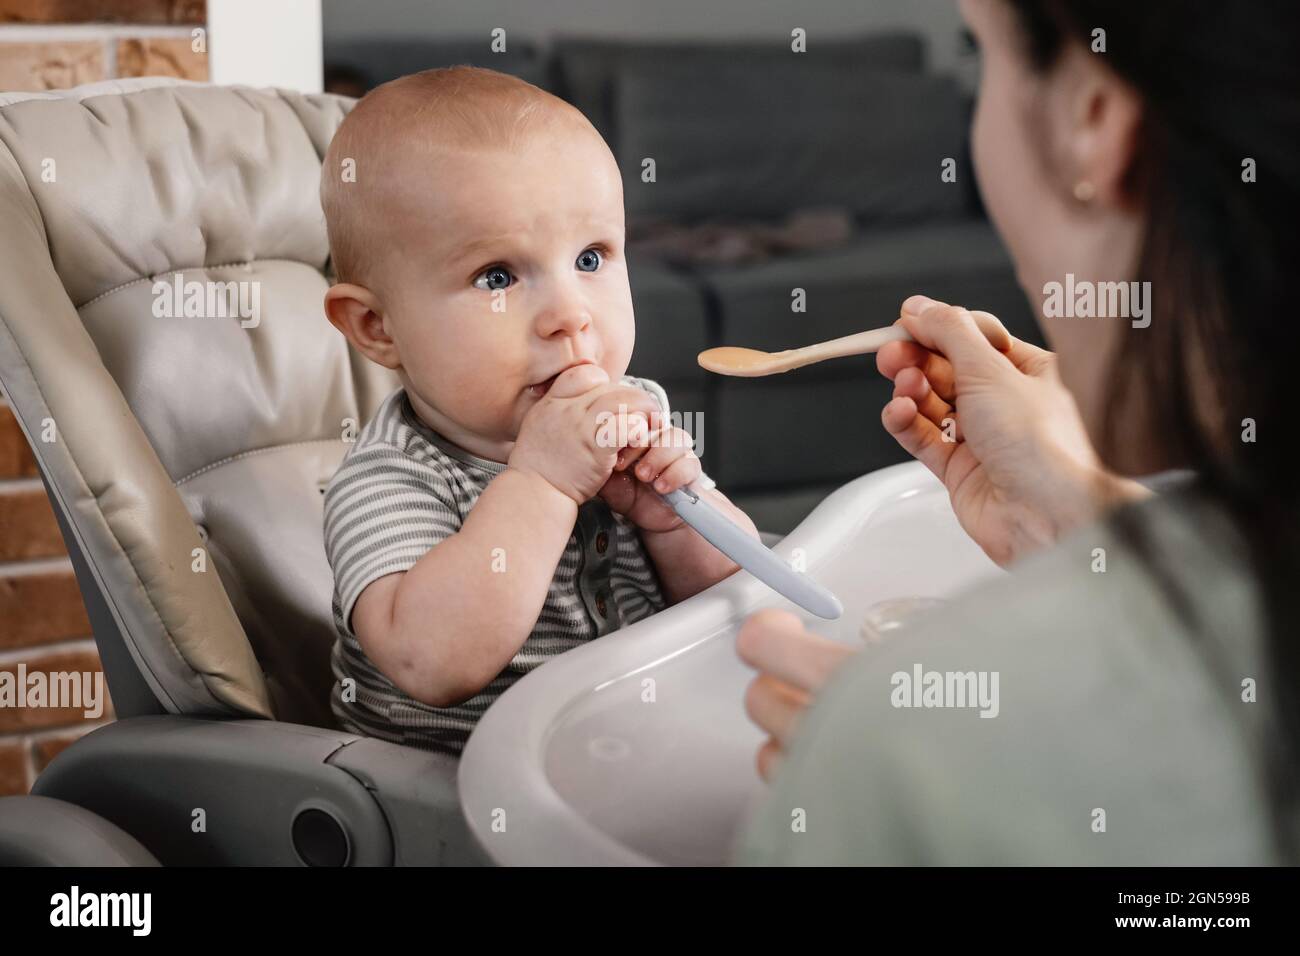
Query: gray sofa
{"x": 750, "y": 133}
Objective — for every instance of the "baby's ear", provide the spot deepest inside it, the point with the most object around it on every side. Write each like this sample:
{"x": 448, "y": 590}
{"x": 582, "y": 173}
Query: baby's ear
{"x": 356, "y": 312}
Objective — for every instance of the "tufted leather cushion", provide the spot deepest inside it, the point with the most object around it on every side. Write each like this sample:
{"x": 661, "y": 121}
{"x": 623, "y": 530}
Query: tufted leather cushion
{"x": 174, "y": 432}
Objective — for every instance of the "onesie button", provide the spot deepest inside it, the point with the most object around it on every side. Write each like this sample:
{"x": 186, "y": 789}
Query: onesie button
{"x": 600, "y": 604}
{"x": 602, "y": 542}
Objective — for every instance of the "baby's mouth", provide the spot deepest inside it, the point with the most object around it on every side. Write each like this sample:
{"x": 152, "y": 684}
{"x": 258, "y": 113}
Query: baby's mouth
{"x": 541, "y": 388}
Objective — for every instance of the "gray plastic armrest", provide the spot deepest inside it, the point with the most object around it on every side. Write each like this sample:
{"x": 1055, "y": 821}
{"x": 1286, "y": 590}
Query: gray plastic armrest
{"x": 418, "y": 793}
{"x": 39, "y": 831}
{"x": 200, "y": 791}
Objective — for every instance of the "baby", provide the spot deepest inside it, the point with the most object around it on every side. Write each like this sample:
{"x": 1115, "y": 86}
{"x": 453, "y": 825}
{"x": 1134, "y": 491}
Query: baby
{"x": 501, "y": 507}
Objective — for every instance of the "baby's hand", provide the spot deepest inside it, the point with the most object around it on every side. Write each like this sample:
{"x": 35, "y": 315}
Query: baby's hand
{"x": 661, "y": 464}
{"x": 563, "y": 437}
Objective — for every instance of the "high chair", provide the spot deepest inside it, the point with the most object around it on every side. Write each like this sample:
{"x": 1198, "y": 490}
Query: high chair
{"x": 186, "y": 458}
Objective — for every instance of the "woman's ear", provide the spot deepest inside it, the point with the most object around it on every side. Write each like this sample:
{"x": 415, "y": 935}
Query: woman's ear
{"x": 1103, "y": 117}
{"x": 355, "y": 311}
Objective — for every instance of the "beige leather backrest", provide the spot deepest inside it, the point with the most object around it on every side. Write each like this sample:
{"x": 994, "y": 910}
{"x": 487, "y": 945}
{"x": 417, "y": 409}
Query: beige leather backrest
{"x": 172, "y": 431}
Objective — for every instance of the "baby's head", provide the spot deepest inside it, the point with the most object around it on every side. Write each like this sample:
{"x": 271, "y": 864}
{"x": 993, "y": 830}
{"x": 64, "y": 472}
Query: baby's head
{"x": 476, "y": 231}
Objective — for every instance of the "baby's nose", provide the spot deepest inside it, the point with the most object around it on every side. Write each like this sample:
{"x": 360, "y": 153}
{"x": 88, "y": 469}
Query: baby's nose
{"x": 565, "y": 320}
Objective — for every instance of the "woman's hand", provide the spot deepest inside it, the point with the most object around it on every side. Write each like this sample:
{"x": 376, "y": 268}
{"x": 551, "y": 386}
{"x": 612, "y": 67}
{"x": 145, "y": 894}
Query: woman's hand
{"x": 793, "y": 664}
{"x": 999, "y": 429}
{"x": 1019, "y": 469}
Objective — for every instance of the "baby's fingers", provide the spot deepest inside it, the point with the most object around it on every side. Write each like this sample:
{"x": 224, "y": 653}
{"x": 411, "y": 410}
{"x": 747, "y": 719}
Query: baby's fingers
{"x": 624, "y": 401}
{"x": 626, "y": 429}
{"x": 671, "y": 446}
{"x": 630, "y": 455}
{"x": 681, "y": 472}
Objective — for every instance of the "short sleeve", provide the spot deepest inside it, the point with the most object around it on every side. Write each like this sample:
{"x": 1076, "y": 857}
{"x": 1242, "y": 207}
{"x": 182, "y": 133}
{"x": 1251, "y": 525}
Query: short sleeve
{"x": 651, "y": 386}
{"x": 384, "y": 510}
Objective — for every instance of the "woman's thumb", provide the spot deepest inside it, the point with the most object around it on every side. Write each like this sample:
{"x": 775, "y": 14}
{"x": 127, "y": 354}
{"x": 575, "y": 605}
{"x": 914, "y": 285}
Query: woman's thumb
{"x": 962, "y": 337}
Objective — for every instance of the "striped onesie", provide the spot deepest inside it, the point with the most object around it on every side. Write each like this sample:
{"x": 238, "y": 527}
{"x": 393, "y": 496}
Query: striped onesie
{"x": 400, "y": 490}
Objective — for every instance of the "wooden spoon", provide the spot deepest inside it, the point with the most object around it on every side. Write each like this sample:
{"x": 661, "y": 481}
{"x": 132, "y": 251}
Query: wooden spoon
{"x": 751, "y": 363}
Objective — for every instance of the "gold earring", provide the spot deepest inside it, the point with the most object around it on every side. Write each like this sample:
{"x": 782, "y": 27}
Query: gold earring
{"x": 1084, "y": 190}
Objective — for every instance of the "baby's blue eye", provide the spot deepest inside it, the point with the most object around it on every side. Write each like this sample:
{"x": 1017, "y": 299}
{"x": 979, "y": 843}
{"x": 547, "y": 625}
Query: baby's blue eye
{"x": 589, "y": 261}
{"x": 494, "y": 279}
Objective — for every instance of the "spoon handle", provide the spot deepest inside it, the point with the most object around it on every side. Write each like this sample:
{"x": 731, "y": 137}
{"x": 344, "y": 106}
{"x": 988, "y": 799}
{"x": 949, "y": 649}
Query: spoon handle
{"x": 872, "y": 341}
{"x": 859, "y": 343}
{"x": 752, "y": 555}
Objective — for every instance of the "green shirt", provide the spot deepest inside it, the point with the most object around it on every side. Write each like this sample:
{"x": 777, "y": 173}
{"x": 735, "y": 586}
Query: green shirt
{"x": 1108, "y": 702}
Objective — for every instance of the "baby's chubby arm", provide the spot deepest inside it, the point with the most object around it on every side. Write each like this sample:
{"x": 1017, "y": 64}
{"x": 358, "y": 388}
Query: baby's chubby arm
{"x": 444, "y": 629}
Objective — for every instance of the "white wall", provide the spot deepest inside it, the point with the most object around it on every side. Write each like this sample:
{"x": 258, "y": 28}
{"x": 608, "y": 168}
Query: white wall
{"x": 265, "y": 43}
{"x": 937, "y": 20}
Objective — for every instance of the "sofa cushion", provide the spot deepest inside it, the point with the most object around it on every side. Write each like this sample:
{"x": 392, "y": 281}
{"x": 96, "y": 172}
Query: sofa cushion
{"x": 734, "y": 141}
{"x": 791, "y": 431}
{"x": 585, "y": 69}
{"x": 672, "y": 324}
{"x": 862, "y": 286}
{"x": 377, "y": 60}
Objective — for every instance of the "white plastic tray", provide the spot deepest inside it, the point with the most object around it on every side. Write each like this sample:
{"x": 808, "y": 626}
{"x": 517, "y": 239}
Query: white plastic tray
{"x": 635, "y": 749}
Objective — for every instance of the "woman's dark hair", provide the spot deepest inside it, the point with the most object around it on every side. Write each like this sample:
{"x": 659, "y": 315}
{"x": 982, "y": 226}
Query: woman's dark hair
{"x": 1220, "y": 86}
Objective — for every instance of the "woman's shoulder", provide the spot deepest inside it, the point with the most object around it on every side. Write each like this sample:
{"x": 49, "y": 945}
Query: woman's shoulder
{"x": 1070, "y": 712}
{"x": 1168, "y": 578}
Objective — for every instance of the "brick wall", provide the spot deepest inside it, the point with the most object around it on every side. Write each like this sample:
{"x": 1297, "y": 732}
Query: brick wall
{"x": 54, "y": 44}
{"x": 43, "y": 624}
